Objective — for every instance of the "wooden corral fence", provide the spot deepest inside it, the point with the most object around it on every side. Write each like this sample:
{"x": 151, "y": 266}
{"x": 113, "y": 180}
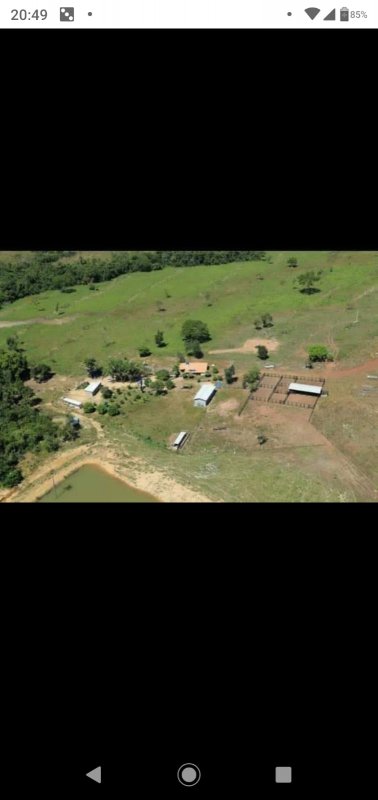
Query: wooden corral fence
{"x": 244, "y": 403}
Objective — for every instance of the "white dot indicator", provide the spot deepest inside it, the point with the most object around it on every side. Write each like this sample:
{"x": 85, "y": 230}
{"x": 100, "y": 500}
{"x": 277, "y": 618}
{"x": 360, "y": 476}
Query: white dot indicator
{"x": 70, "y": 19}
{"x": 189, "y": 774}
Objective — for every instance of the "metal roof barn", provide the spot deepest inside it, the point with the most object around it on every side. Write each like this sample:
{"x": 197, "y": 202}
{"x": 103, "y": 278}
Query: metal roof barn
{"x": 204, "y": 395}
{"x": 93, "y": 387}
{"x": 305, "y": 388}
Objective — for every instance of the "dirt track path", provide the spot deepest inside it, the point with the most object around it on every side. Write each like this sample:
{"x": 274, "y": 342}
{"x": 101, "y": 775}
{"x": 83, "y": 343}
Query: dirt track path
{"x": 34, "y": 320}
{"x": 370, "y": 366}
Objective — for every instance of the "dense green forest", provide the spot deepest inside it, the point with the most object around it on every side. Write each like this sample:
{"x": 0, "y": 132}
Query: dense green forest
{"x": 23, "y": 427}
{"x": 40, "y": 271}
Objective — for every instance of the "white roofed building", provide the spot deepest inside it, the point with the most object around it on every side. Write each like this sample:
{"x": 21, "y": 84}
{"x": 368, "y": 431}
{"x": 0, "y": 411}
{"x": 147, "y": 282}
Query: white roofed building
{"x": 93, "y": 388}
{"x": 204, "y": 395}
{"x": 305, "y": 388}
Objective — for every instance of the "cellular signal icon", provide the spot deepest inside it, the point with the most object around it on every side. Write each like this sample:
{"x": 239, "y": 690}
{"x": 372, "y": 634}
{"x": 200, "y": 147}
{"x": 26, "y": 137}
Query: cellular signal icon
{"x": 312, "y": 12}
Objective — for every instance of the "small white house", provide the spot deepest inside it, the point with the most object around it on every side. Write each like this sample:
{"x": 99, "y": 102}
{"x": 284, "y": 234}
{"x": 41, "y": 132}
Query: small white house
{"x": 204, "y": 395}
{"x": 93, "y": 388}
{"x": 71, "y": 402}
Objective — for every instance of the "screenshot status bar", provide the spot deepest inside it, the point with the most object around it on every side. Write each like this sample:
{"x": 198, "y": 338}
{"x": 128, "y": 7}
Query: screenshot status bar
{"x": 187, "y": 14}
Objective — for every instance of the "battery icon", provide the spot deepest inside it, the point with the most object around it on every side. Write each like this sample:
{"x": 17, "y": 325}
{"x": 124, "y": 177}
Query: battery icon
{"x": 344, "y": 14}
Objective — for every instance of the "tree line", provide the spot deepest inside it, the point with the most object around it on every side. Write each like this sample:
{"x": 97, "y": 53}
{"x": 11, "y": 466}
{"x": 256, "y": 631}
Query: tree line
{"x": 42, "y": 271}
{"x": 23, "y": 427}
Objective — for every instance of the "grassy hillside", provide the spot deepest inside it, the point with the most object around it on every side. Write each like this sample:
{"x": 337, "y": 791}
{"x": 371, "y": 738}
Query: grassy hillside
{"x": 123, "y": 314}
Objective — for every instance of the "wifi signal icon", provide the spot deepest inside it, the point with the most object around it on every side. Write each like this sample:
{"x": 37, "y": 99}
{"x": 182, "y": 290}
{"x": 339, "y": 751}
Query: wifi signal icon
{"x": 312, "y": 12}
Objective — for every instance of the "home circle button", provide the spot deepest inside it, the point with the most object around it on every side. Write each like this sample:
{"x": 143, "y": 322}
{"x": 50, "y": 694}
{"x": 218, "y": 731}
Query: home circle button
{"x": 189, "y": 774}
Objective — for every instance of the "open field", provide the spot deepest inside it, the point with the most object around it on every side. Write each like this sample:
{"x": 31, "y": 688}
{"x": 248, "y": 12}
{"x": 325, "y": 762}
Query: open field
{"x": 330, "y": 454}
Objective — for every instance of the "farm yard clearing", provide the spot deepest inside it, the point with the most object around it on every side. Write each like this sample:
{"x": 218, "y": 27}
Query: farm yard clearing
{"x": 324, "y": 452}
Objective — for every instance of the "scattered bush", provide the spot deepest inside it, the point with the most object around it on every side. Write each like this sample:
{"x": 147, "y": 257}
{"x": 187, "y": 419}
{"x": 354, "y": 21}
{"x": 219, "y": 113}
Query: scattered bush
{"x": 159, "y": 339}
{"x": 318, "y": 352}
{"x": 262, "y": 352}
{"x": 144, "y": 352}
{"x": 162, "y": 374}
{"x": 251, "y": 379}
{"x": 41, "y": 372}
{"x": 89, "y": 408}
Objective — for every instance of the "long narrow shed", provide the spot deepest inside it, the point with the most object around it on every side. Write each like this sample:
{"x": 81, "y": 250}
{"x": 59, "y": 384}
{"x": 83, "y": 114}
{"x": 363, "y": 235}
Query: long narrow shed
{"x": 304, "y": 388}
{"x": 180, "y": 439}
{"x": 71, "y": 402}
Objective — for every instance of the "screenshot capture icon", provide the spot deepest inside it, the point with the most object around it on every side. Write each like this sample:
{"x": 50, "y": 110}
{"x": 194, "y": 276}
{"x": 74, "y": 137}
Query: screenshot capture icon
{"x": 67, "y": 14}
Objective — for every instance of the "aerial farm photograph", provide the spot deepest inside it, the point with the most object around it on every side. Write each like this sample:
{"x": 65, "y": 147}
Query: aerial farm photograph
{"x": 188, "y": 376}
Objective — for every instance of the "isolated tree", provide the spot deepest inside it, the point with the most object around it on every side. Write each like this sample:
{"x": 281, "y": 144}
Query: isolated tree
{"x": 258, "y": 323}
{"x": 92, "y": 367}
{"x": 229, "y": 374}
{"x": 251, "y": 379}
{"x": 261, "y": 438}
{"x": 103, "y": 408}
{"x": 106, "y": 393}
{"x": 175, "y": 371}
{"x": 169, "y": 384}
{"x": 292, "y": 262}
{"x": 193, "y": 348}
{"x": 144, "y": 352}
{"x": 195, "y": 331}
{"x": 208, "y": 298}
{"x": 160, "y": 306}
{"x": 123, "y": 370}
{"x": 318, "y": 352}
{"x": 262, "y": 352}
{"x": 159, "y": 339}
{"x": 307, "y": 280}
{"x": 267, "y": 320}
{"x": 41, "y": 372}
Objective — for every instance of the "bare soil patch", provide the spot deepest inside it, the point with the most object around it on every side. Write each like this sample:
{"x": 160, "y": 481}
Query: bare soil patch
{"x": 249, "y": 346}
{"x": 227, "y": 407}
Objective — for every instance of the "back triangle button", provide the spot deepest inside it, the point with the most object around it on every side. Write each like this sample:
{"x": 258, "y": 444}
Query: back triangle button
{"x": 95, "y": 775}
